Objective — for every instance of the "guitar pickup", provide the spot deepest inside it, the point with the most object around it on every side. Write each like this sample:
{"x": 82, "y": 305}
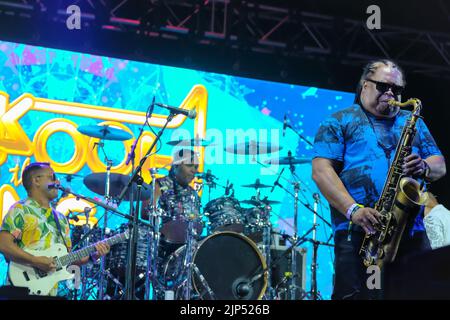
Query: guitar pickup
{"x": 40, "y": 273}
{"x": 25, "y": 275}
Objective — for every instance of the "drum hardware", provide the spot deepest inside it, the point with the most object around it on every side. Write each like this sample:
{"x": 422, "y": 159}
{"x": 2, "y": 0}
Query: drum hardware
{"x": 256, "y": 185}
{"x": 96, "y": 182}
{"x": 197, "y": 142}
{"x": 153, "y": 237}
{"x": 105, "y": 132}
{"x": 86, "y": 231}
{"x": 137, "y": 179}
{"x": 254, "y": 202}
{"x": 314, "y": 294}
{"x": 208, "y": 179}
{"x": 286, "y": 124}
{"x": 252, "y": 148}
{"x": 188, "y": 261}
{"x": 289, "y": 160}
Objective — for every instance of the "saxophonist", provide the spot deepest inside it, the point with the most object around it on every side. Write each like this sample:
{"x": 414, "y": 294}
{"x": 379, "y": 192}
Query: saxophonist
{"x": 354, "y": 149}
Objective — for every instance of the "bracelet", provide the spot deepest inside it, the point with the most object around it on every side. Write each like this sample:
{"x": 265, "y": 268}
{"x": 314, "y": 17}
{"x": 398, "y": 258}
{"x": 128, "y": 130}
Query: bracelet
{"x": 353, "y": 208}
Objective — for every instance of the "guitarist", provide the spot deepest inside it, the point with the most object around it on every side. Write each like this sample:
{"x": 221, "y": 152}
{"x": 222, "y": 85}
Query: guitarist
{"x": 32, "y": 223}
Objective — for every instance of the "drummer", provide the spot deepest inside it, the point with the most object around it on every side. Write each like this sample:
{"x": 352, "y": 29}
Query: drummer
{"x": 176, "y": 197}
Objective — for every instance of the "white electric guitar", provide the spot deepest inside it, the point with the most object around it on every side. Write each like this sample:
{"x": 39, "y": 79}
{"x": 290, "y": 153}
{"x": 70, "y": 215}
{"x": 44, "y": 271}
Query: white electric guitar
{"x": 40, "y": 282}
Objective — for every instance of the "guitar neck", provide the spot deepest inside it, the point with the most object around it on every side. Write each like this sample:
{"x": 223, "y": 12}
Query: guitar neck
{"x": 70, "y": 258}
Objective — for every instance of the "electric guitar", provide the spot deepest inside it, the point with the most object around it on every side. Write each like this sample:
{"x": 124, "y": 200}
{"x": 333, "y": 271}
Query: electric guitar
{"x": 40, "y": 282}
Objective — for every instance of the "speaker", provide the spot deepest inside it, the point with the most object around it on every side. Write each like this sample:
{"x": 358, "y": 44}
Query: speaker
{"x": 423, "y": 275}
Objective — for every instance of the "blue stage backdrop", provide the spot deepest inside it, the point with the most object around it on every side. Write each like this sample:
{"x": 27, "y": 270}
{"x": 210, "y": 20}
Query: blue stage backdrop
{"x": 46, "y": 94}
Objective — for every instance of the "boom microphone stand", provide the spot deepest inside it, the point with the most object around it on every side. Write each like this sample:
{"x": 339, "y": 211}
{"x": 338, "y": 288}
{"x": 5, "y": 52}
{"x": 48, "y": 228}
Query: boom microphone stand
{"x": 130, "y": 277}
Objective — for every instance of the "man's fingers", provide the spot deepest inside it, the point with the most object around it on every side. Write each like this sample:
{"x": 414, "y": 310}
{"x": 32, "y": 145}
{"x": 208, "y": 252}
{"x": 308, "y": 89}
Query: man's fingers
{"x": 373, "y": 220}
{"x": 412, "y": 164}
{"x": 366, "y": 230}
{"x": 412, "y": 156}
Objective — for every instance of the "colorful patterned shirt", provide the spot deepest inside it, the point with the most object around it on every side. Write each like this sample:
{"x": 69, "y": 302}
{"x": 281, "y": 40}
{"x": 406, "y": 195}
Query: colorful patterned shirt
{"x": 365, "y": 146}
{"x": 34, "y": 227}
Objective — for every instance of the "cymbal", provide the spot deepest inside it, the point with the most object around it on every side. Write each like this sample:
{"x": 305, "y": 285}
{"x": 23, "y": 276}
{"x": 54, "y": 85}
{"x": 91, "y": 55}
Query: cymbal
{"x": 252, "y": 148}
{"x": 256, "y": 185}
{"x": 69, "y": 176}
{"x": 255, "y": 202}
{"x": 190, "y": 143}
{"x": 289, "y": 160}
{"x": 105, "y": 132}
{"x": 96, "y": 183}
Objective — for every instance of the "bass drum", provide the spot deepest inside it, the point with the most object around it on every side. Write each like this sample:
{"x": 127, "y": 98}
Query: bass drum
{"x": 227, "y": 261}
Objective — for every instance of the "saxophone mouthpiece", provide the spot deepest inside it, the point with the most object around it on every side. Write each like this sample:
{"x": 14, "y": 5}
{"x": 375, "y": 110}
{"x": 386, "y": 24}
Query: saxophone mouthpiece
{"x": 394, "y": 103}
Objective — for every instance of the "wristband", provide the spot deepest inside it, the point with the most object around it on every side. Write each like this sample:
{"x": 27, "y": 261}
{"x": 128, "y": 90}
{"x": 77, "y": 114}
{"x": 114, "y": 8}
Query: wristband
{"x": 353, "y": 208}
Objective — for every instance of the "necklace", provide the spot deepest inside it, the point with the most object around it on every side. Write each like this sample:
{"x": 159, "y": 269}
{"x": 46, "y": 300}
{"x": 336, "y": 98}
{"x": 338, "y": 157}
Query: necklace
{"x": 386, "y": 148}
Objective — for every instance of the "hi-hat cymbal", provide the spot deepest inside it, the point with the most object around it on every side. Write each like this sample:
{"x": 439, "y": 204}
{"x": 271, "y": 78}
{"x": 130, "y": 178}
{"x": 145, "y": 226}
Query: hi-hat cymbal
{"x": 105, "y": 132}
{"x": 255, "y": 202}
{"x": 191, "y": 143}
{"x": 256, "y": 185}
{"x": 288, "y": 160}
{"x": 252, "y": 148}
{"x": 96, "y": 183}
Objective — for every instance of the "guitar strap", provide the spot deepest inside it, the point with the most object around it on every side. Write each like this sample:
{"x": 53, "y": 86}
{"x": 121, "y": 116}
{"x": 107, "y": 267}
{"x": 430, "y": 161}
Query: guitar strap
{"x": 55, "y": 215}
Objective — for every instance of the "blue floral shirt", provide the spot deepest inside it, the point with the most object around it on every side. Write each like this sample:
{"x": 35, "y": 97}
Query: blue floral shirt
{"x": 365, "y": 146}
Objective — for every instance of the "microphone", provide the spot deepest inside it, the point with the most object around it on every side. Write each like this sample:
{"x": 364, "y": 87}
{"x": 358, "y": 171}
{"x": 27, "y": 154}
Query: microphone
{"x": 316, "y": 196}
{"x": 191, "y": 114}
{"x": 227, "y": 188}
{"x": 208, "y": 176}
{"x": 133, "y": 148}
{"x": 285, "y": 125}
{"x": 57, "y": 186}
{"x": 243, "y": 289}
{"x": 276, "y": 181}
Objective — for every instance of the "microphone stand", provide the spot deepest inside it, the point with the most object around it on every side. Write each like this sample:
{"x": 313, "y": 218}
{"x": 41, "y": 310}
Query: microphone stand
{"x": 130, "y": 277}
{"x": 257, "y": 274}
{"x": 301, "y": 136}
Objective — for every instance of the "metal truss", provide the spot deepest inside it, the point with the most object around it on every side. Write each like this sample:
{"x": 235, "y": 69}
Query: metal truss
{"x": 267, "y": 27}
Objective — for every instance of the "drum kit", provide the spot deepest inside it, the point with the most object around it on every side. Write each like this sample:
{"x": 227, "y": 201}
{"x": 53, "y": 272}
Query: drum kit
{"x": 223, "y": 252}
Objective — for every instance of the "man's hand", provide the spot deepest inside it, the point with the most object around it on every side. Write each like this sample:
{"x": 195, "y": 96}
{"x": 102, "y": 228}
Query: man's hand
{"x": 367, "y": 218}
{"x": 102, "y": 249}
{"x": 45, "y": 264}
{"x": 414, "y": 165}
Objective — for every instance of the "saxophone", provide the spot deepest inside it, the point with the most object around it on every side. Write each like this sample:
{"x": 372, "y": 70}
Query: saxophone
{"x": 400, "y": 199}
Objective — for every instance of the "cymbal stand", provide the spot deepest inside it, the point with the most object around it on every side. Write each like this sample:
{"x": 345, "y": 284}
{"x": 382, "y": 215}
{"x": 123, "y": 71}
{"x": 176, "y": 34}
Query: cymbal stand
{"x": 267, "y": 237}
{"x": 101, "y": 284}
{"x": 84, "y": 267}
{"x": 314, "y": 294}
{"x": 292, "y": 285}
{"x": 153, "y": 237}
{"x": 190, "y": 245}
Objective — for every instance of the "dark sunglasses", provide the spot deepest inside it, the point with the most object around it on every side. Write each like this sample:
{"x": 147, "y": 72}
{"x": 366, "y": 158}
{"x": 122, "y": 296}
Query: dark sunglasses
{"x": 53, "y": 176}
{"x": 384, "y": 87}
